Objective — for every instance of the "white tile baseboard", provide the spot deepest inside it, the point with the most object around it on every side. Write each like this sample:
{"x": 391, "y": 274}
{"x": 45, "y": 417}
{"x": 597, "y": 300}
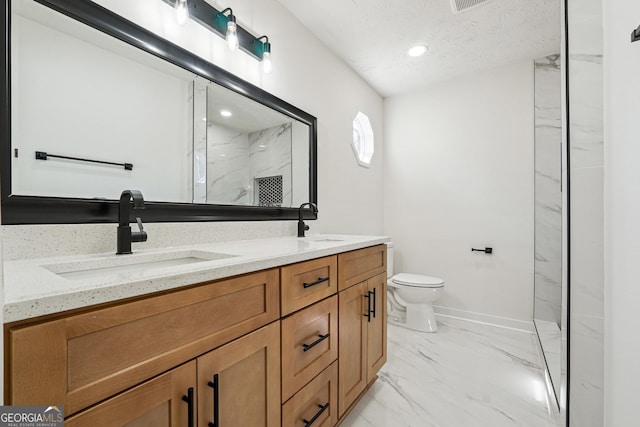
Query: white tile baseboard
{"x": 503, "y": 322}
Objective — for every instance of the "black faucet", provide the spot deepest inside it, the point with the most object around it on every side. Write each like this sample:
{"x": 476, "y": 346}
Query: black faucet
{"x": 125, "y": 235}
{"x": 301, "y": 225}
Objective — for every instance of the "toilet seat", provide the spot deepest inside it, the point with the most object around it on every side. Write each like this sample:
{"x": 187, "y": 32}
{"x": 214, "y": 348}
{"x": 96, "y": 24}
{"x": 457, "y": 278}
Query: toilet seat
{"x": 417, "y": 280}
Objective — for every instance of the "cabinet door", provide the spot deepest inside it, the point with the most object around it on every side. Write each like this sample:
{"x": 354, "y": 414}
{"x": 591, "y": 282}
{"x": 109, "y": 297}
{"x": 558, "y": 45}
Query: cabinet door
{"x": 309, "y": 344}
{"x": 361, "y": 264}
{"x": 352, "y": 361}
{"x": 316, "y": 403}
{"x": 158, "y": 402}
{"x": 377, "y": 325}
{"x": 305, "y": 283}
{"x": 239, "y": 383}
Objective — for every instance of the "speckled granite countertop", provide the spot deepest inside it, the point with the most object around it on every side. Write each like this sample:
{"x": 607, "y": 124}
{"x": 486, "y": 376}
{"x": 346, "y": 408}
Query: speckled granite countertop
{"x": 37, "y": 287}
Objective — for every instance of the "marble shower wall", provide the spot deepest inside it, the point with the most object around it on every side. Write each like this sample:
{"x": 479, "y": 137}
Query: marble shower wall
{"x": 199, "y": 138}
{"x": 586, "y": 218}
{"x": 228, "y": 176}
{"x": 548, "y": 190}
{"x": 270, "y": 155}
{"x": 234, "y": 159}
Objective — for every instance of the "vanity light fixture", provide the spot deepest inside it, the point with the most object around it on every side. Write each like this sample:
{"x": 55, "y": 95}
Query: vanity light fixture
{"x": 265, "y": 47}
{"x": 418, "y": 50}
{"x": 224, "y": 24}
{"x": 231, "y": 34}
{"x": 225, "y": 113}
{"x": 182, "y": 12}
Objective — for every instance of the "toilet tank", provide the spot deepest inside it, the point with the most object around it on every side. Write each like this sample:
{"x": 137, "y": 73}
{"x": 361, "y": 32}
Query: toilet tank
{"x": 389, "y": 259}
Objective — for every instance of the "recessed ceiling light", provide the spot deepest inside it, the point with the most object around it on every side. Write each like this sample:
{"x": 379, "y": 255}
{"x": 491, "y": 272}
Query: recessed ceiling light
{"x": 225, "y": 113}
{"x": 418, "y": 50}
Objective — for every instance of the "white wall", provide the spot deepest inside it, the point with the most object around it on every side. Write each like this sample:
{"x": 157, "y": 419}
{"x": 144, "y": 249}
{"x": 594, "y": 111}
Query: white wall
{"x": 459, "y": 174}
{"x": 141, "y": 119}
{"x": 622, "y": 214}
{"x": 306, "y": 74}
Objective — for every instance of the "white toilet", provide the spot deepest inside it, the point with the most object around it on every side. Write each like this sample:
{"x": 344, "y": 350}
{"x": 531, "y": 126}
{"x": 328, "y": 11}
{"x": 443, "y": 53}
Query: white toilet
{"x": 410, "y": 297}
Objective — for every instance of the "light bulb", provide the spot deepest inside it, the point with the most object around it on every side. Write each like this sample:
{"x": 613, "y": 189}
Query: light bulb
{"x": 182, "y": 12}
{"x": 232, "y": 35}
{"x": 266, "y": 63}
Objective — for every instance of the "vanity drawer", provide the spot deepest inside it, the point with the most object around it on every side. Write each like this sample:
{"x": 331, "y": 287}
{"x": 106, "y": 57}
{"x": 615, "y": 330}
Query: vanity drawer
{"x": 321, "y": 392}
{"x": 361, "y": 264}
{"x": 82, "y": 359}
{"x": 304, "y": 283}
{"x": 309, "y": 344}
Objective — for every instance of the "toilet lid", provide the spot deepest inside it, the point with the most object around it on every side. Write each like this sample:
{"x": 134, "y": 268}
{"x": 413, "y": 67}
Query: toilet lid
{"x": 417, "y": 280}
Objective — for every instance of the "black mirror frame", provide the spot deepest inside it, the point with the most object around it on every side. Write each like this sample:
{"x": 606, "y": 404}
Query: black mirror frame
{"x": 57, "y": 210}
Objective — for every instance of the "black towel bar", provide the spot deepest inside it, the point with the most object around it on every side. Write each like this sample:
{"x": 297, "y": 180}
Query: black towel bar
{"x": 43, "y": 155}
{"x": 485, "y": 250}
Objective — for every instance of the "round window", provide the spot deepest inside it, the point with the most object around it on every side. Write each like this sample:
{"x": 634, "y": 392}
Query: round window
{"x": 362, "y": 143}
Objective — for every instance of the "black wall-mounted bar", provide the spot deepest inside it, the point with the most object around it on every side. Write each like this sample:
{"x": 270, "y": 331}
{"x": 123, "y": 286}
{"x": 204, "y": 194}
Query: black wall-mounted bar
{"x": 215, "y": 21}
{"x": 485, "y": 250}
{"x": 43, "y": 155}
{"x": 635, "y": 35}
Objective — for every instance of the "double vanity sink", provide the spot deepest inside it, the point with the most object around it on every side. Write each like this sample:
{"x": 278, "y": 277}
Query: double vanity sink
{"x": 295, "y": 325}
{"x": 43, "y": 286}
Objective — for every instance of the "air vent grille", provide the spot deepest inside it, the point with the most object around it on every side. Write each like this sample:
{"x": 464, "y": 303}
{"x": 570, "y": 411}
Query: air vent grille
{"x": 464, "y": 5}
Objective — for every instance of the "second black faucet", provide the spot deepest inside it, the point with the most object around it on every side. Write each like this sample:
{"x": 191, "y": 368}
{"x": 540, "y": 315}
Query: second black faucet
{"x": 301, "y": 225}
{"x": 125, "y": 235}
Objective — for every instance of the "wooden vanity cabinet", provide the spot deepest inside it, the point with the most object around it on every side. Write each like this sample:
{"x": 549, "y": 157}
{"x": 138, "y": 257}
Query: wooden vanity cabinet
{"x": 363, "y": 327}
{"x": 221, "y": 352}
{"x": 166, "y": 401}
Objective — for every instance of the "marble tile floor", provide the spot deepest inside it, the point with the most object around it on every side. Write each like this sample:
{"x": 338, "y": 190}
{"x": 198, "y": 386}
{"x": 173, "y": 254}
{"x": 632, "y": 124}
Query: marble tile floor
{"x": 465, "y": 375}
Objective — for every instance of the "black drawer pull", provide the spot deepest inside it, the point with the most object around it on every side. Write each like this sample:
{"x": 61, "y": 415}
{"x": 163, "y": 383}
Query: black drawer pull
{"x": 315, "y": 417}
{"x": 306, "y": 347}
{"x": 368, "y": 313}
{"x": 215, "y": 386}
{"x": 190, "y": 401}
{"x": 317, "y": 282}
{"x": 374, "y": 302}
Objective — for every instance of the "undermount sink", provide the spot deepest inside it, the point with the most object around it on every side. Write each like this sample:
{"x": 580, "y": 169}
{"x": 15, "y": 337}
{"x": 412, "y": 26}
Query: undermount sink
{"x": 109, "y": 266}
{"x": 328, "y": 239}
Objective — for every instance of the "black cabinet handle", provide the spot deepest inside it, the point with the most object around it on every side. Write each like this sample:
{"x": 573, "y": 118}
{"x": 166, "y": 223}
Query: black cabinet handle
{"x": 190, "y": 401}
{"x": 373, "y": 292}
{"x": 315, "y": 417}
{"x": 216, "y": 390}
{"x": 306, "y": 347}
{"x": 368, "y": 313}
{"x": 317, "y": 282}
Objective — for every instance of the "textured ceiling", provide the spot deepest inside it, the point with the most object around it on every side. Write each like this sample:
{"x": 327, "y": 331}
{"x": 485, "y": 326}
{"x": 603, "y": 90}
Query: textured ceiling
{"x": 373, "y": 36}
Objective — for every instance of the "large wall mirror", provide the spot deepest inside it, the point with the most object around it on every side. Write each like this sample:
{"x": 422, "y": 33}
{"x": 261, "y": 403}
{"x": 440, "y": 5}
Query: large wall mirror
{"x": 98, "y": 105}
